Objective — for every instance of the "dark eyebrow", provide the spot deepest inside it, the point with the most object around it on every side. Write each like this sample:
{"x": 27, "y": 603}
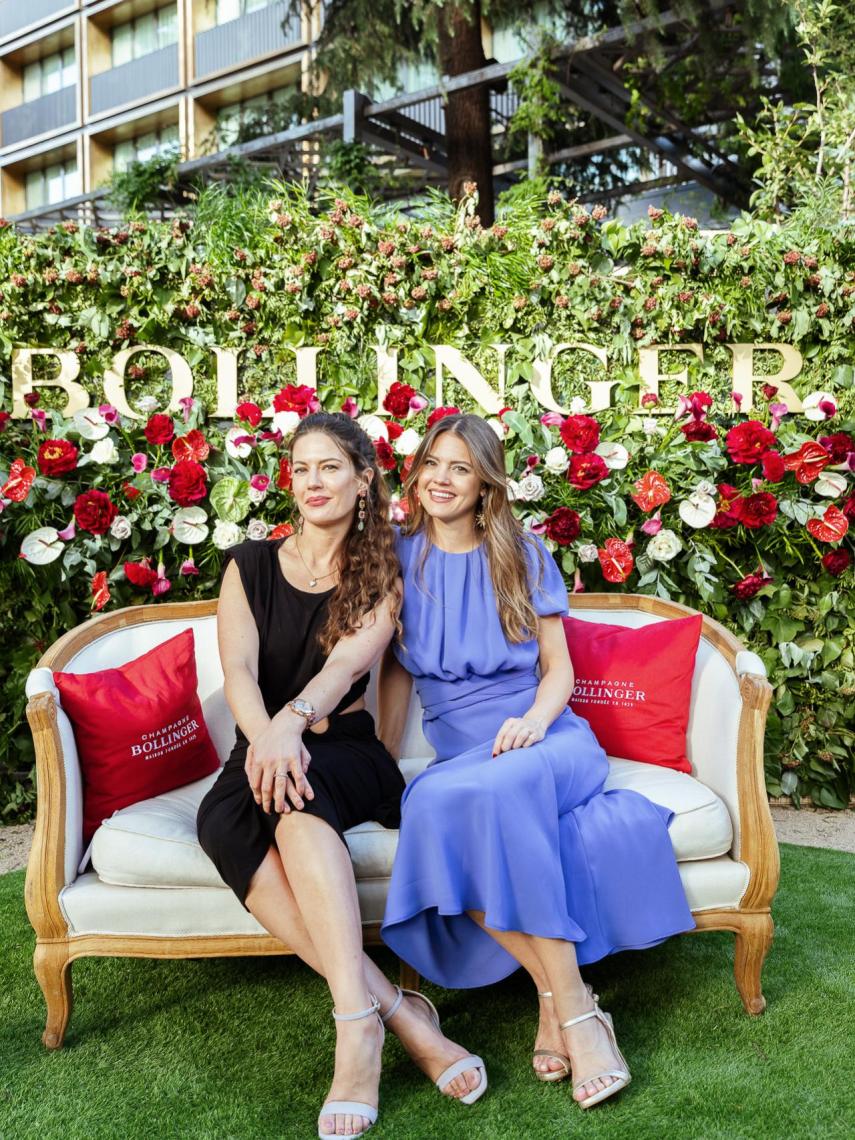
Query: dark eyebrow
{"x": 329, "y": 459}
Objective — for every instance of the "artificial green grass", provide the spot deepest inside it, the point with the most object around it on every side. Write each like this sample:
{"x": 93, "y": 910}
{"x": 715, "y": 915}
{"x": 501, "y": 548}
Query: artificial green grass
{"x": 242, "y": 1048}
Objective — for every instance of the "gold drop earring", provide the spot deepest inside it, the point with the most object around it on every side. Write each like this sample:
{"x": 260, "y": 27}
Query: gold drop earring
{"x": 480, "y": 521}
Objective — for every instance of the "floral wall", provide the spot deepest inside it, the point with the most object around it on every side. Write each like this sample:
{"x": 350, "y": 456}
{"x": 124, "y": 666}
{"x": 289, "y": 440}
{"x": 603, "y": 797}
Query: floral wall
{"x": 697, "y": 488}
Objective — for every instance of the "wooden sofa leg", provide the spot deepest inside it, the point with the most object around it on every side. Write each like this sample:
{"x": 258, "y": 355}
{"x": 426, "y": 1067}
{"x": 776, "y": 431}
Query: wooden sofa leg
{"x": 752, "y": 946}
{"x": 409, "y": 978}
{"x": 52, "y": 967}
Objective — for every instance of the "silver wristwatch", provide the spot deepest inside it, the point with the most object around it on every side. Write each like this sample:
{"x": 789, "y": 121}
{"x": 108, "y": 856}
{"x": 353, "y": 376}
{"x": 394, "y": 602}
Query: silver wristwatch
{"x": 305, "y": 709}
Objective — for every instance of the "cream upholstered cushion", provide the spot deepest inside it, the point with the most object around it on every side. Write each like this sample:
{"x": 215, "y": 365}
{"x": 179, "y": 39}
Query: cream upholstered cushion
{"x": 153, "y": 843}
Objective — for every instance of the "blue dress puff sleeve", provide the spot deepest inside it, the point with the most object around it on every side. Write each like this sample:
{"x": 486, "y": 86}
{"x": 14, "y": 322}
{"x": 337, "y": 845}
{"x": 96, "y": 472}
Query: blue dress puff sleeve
{"x": 548, "y": 591}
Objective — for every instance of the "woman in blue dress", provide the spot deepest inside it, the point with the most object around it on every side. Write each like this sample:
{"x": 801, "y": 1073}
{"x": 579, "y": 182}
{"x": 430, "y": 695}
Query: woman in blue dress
{"x": 510, "y": 854}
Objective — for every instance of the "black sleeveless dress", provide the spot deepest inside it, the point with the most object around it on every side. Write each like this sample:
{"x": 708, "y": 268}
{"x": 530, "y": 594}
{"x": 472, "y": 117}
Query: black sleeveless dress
{"x": 353, "y": 776}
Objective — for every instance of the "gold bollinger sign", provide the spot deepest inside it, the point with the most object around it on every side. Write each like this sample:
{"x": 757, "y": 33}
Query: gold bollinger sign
{"x": 448, "y": 359}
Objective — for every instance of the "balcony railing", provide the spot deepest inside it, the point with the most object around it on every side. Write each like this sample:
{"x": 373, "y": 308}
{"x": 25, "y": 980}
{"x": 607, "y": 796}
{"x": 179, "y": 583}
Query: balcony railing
{"x": 259, "y": 33}
{"x": 18, "y": 14}
{"x": 49, "y": 113}
{"x": 147, "y": 75}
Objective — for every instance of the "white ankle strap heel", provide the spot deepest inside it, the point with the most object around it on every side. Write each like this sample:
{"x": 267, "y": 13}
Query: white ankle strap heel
{"x": 352, "y": 1107}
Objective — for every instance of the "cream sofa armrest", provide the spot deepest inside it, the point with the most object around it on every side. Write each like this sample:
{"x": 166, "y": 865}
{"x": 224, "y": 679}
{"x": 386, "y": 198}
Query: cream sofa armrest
{"x": 56, "y": 749}
{"x": 749, "y": 662}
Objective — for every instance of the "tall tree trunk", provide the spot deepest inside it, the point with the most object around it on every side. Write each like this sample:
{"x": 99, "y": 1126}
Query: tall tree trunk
{"x": 467, "y": 114}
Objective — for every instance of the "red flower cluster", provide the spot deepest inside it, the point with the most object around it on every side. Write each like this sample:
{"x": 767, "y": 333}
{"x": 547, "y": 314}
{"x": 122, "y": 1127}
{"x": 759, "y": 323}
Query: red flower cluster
{"x": 94, "y": 511}
{"x": 837, "y": 562}
{"x": 748, "y": 442}
{"x": 385, "y": 455}
{"x": 140, "y": 573}
{"x": 441, "y": 413}
{"x": 563, "y": 526}
{"x": 749, "y": 585}
{"x": 580, "y": 434}
{"x": 57, "y": 457}
{"x": 188, "y": 483}
{"x": 585, "y": 471}
{"x": 397, "y": 400}
{"x": 193, "y": 445}
{"x": 159, "y": 429}
{"x": 283, "y": 479}
{"x": 248, "y": 412}
{"x": 299, "y": 398}
{"x": 839, "y": 445}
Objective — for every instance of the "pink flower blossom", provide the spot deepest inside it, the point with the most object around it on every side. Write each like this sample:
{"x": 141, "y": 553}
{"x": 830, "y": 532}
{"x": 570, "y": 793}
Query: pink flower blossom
{"x": 108, "y": 413}
{"x": 186, "y": 404}
{"x": 578, "y": 584}
{"x": 69, "y": 533}
{"x": 188, "y": 566}
{"x": 737, "y": 399}
{"x": 39, "y": 418}
{"x": 551, "y": 419}
{"x": 532, "y": 461}
{"x": 649, "y": 400}
{"x": 259, "y": 482}
{"x": 652, "y": 525}
{"x": 417, "y": 404}
{"x": 161, "y": 585}
{"x": 777, "y": 412}
{"x": 276, "y": 436}
{"x": 538, "y": 527}
{"x": 829, "y": 407}
{"x": 139, "y": 462}
{"x": 161, "y": 474}
{"x": 350, "y": 407}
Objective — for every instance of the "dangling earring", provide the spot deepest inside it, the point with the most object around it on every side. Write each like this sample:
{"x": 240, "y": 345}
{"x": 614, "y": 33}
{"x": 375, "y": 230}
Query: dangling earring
{"x": 299, "y": 524}
{"x": 361, "y": 513}
{"x": 480, "y": 521}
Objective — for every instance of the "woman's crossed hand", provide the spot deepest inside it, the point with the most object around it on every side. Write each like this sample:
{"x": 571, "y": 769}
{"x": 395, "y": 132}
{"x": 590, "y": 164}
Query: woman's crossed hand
{"x": 518, "y": 732}
{"x": 276, "y": 766}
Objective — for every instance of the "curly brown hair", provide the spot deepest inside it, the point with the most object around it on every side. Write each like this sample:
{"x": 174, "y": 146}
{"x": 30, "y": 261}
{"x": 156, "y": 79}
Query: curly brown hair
{"x": 368, "y": 566}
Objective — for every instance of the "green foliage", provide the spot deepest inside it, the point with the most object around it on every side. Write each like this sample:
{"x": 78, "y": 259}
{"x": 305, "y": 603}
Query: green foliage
{"x": 145, "y": 184}
{"x": 264, "y": 272}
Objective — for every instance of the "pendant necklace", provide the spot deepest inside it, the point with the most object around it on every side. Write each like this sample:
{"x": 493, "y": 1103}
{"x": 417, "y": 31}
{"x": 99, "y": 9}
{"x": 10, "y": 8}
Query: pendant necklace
{"x": 313, "y": 581}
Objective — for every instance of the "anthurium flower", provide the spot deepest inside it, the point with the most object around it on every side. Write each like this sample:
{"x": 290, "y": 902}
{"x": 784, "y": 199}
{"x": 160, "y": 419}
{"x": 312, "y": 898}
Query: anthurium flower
{"x": 831, "y": 485}
{"x": 100, "y": 590}
{"x": 616, "y": 560}
{"x": 17, "y": 486}
{"x": 808, "y": 462}
{"x": 651, "y": 491}
{"x": 191, "y": 445}
{"x": 614, "y": 455}
{"x": 831, "y": 527}
{"x": 190, "y": 525}
{"x": 819, "y": 406}
{"x": 698, "y": 510}
{"x": 42, "y": 546}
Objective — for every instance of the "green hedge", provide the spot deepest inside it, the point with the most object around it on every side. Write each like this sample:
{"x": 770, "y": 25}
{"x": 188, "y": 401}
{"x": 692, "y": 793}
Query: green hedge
{"x": 274, "y": 272}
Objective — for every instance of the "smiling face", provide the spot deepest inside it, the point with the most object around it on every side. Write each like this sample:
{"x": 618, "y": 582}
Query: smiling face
{"x": 324, "y": 481}
{"x": 448, "y": 487}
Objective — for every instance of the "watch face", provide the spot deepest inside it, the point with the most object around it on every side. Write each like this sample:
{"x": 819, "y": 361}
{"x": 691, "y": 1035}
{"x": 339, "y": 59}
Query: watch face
{"x": 302, "y": 707}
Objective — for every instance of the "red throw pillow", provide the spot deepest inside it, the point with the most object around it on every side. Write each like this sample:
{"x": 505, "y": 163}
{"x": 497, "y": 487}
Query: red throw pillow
{"x": 139, "y": 729}
{"x": 633, "y": 686}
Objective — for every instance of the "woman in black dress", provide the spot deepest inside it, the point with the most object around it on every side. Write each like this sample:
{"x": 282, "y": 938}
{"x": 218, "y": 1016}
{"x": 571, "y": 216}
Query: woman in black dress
{"x": 300, "y": 624}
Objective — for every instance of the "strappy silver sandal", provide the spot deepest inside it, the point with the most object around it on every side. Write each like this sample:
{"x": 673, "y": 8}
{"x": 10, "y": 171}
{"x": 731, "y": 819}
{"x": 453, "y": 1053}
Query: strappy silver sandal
{"x": 458, "y": 1067}
{"x": 621, "y": 1076}
{"x": 553, "y": 1075}
{"x": 352, "y": 1107}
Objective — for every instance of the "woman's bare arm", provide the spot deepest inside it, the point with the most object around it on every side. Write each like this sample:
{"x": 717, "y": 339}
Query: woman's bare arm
{"x": 553, "y": 692}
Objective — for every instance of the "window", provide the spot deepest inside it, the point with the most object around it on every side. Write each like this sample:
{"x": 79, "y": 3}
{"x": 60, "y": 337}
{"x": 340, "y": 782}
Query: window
{"x": 233, "y": 9}
{"x": 145, "y": 34}
{"x": 49, "y": 74}
{"x": 145, "y": 146}
{"x": 54, "y": 183}
{"x": 251, "y": 118}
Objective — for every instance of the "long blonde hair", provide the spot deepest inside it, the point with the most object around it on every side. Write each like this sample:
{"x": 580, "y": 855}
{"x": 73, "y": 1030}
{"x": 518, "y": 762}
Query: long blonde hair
{"x": 368, "y": 566}
{"x": 504, "y": 539}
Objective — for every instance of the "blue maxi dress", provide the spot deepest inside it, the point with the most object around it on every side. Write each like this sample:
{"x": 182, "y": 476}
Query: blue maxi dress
{"x": 529, "y": 837}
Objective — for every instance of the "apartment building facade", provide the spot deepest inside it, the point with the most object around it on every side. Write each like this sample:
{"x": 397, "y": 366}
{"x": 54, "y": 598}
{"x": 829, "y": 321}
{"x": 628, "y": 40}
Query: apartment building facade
{"x": 86, "y": 86}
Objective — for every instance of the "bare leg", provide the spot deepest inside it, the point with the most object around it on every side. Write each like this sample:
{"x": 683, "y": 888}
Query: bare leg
{"x": 523, "y": 948}
{"x": 587, "y": 1044}
{"x": 272, "y": 902}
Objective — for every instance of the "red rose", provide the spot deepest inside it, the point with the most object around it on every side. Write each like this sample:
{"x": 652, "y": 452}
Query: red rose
{"x": 398, "y": 398}
{"x": 140, "y": 573}
{"x": 749, "y": 586}
{"x": 837, "y": 562}
{"x": 385, "y": 455}
{"x": 131, "y": 492}
{"x": 193, "y": 445}
{"x": 838, "y": 446}
{"x": 698, "y": 431}
{"x": 159, "y": 429}
{"x": 57, "y": 457}
{"x": 725, "y": 516}
{"x": 808, "y": 462}
{"x": 616, "y": 560}
{"x": 563, "y": 526}
{"x": 440, "y": 414}
{"x": 94, "y": 511}
{"x": 700, "y": 401}
{"x": 586, "y": 471}
{"x": 848, "y": 509}
{"x": 188, "y": 483}
{"x": 749, "y": 442}
{"x": 770, "y": 391}
{"x": 283, "y": 479}
{"x": 580, "y": 434}
{"x": 773, "y": 467}
{"x": 756, "y": 510}
{"x": 299, "y": 398}
{"x": 248, "y": 412}
{"x": 4, "y": 420}
{"x": 393, "y": 429}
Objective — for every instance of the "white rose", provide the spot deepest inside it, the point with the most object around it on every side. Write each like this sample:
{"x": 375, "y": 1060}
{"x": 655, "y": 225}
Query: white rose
{"x": 190, "y": 525}
{"x": 226, "y": 534}
{"x": 242, "y": 450}
{"x": 90, "y": 424}
{"x": 286, "y": 422}
{"x": 407, "y": 442}
{"x": 104, "y": 451}
{"x": 373, "y": 427}
{"x": 588, "y": 552}
{"x": 256, "y": 495}
{"x": 556, "y": 461}
{"x": 650, "y": 426}
{"x": 147, "y": 404}
{"x": 577, "y": 406}
{"x": 698, "y": 510}
{"x": 120, "y": 527}
{"x": 42, "y": 546}
{"x": 664, "y": 546}
{"x": 614, "y": 455}
{"x": 530, "y": 488}
{"x": 706, "y": 488}
{"x": 513, "y": 490}
{"x": 811, "y": 408}
{"x": 257, "y": 530}
{"x": 830, "y": 484}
